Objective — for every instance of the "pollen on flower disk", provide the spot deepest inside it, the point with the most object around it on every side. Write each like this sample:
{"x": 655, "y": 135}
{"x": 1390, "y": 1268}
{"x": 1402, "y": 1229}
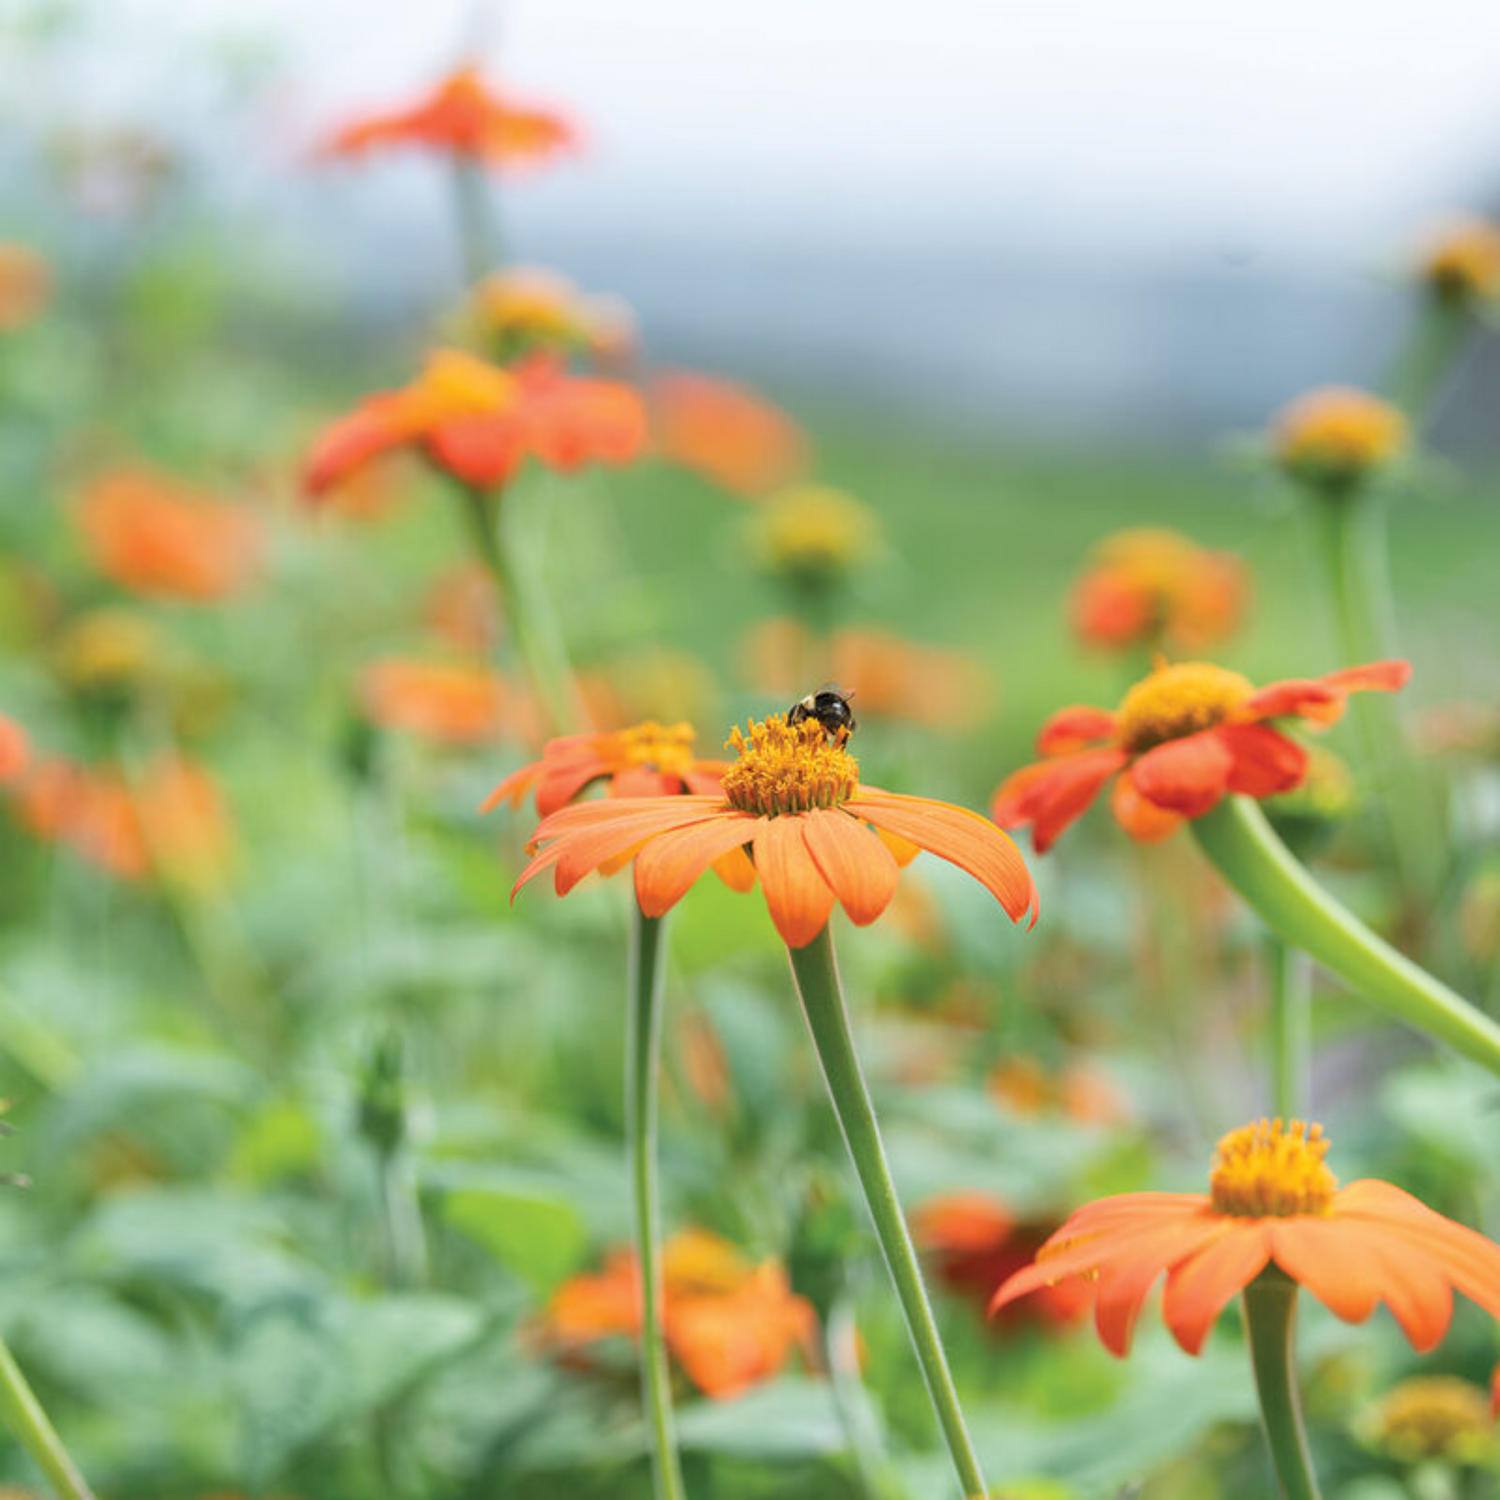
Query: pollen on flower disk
{"x": 1179, "y": 700}
{"x": 789, "y": 768}
{"x": 1271, "y": 1170}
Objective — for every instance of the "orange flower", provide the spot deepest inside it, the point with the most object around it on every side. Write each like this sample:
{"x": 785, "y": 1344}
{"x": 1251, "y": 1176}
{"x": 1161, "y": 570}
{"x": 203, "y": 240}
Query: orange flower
{"x": 1150, "y": 586}
{"x": 184, "y": 823}
{"x": 158, "y": 538}
{"x": 646, "y": 760}
{"x": 816, "y": 835}
{"x": 975, "y": 1243}
{"x": 25, "y": 285}
{"x": 1272, "y": 1200}
{"x": 14, "y": 750}
{"x": 452, "y": 703}
{"x": 461, "y": 610}
{"x": 728, "y": 1324}
{"x": 1184, "y": 737}
{"x": 1337, "y": 435}
{"x": 525, "y": 308}
{"x": 1462, "y": 261}
{"x": 480, "y": 423}
{"x": 1081, "y": 1091}
{"x": 463, "y": 118}
{"x": 733, "y": 437}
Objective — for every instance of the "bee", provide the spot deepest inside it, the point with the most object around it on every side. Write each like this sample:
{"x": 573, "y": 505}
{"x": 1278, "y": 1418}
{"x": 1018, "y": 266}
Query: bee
{"x": 830, "y": 707}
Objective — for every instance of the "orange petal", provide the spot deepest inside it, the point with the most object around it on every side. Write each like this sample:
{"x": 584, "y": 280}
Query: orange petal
{"x": 1199, "y": 1287}
{"x": 558, "y": 787}
{"x": 669, "y": 864}
{"x": 736, "y": 869}
{"x": 1124, "y": 1282}
{"x": 1074, "y": 728}
{"x": 903, "y": 851}
{"x": 1144, "y": 822}
{"x": 1187, "y": 776}
{"x": 1053, "y": 793}
{"x": 1322, "y": 698}
{"x": 857, "y": 866}
{"x": 962, "y": 837}
{"x": 586, "y": 851}
{"x": 800, "y": 900}
{"x": 513, "y": 788}
{"x": 1264, "y": 762}
{"x": 1332, "y": 1259}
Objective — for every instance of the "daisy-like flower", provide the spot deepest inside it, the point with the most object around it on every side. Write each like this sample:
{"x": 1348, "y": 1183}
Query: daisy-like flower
{"x": 449, "y": 702}
{"x": 1462, "y": 262}
{"x": 794, "y": 801}
{"x": 526, "y": 308}
{"x": 480, "y": 423}
{"x": 1181, "y": 740}
{"x": 158, "y": 538}
{"x": 1433, "y": 1416}
{"x": 735, "y": 438}
{"x": 813, "y": 536}
{"x": 1155, "y": 587}
{"x": 1335, "y": 436}
{"x": 462, "y": 117}
{"x": 1272, "y": 1201}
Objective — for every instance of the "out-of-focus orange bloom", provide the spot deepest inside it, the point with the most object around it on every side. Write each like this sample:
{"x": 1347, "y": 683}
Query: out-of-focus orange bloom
{"x": 524, "y": 309}
{"x": 1182, "y": 739}
{"x": 1080, "y": 1091}
{"x": 1153, "y": 587}
{"x": 460, "y": 608}
{"x": 1335, "y": 436}
{"x": 25, "y": 285}
{"x": 155, "y": 537}
{"x": 728, "y": 1324}
{"x": 451, "y": 702}
{"x": 479, "y": 422}
{"x": 15, "y": 752}
{"x": 1462, "y": 261}
{"x": 1438, "y": 1417}
{"x": 172, "y": 821}
{"x": 733, "y": 437}
{"x": 645, "y": 683}
{"x": 462, "y": 117}
{"x": 1273, "y": 1200}
{"x": 888, "y": 676}
{"x": 704, "y": 1065}
{"x": 975, "y": 1242}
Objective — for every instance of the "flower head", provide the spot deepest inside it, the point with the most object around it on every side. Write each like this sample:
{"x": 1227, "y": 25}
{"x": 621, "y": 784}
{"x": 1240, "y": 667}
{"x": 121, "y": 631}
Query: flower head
{"x": 524, "y": 309}
{"x": 1154, "y": 587}
{"x": 155, "y": 537}
{"x": 462, "y": 117}
{"x": 1272, "y": 1201}
{"x": 25, "y": 285}
{"x": 794, "y": 801}
{"x": 1181, "y": 739}
{"x": 813, "y": 535}
{"x": 449, "y": 702}
{"x": 15, "y": 751}
{"x": 733, "y": 437}
{"x": 480, "y": 423}
{"x": 1335, "y": 436}
{"x": 1462, "y": 262}
{"x": 1433, "y": 1416}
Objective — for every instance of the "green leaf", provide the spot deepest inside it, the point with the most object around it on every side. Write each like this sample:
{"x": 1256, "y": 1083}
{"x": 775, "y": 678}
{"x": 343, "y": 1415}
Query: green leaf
{"x": 538, "y": 1235}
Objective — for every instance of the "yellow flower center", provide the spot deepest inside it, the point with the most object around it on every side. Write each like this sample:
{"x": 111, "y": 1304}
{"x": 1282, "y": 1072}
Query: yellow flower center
{"x": 1179, "y": 700}
{"x": 1268, "y": 1170}
{"x": 1338, "y": 434}
{"x": 667, "y": 748}
{"x": 789, "y": 768}
{"x": 1434, "y": 1416}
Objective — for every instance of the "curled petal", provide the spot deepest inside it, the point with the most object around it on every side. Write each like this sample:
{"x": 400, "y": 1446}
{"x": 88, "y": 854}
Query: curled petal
{"x": 1264, "y": 762}
{"x": 1074, "y": 729}
{"x": 1187, "y": 776}
{"x": 670, "y": 863}
{"x": 1199, "y": 1287}
{"x": 1054, "y": 793}
{"x": 1142, "y": 820}
{"x": 1322, "y": 698}
{"x": 736, "y": 869}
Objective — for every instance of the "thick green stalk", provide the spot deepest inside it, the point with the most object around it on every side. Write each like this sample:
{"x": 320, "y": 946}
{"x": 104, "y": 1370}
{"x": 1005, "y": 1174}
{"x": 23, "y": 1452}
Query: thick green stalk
{"x": 536, "y": 640}
{"x": 815, "y": 970}
{"x": 1291, "y": 1038}
{"x": 1248, "y": 854}
{"x": 642, "y": 1074}
{"x": 474, "y": 211}
{"x": 1437, "y": 337}
{"x": 24, "y": 1416}
{"x": 1270, "y": 1319}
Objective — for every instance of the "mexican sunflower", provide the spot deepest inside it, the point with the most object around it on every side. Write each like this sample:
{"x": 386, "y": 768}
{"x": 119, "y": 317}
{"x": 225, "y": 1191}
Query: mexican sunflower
{"x": 1272, "y": 1201}
{"x": 725, "y": 432}
{"x": 1462, "y": 262}
{"x": 816, "y": 836}
{"x": 463, "y": 118}
{"x": 450, "y": 702}
{"x": 1181, "y": 739}
{"x": 1333, "y": 437}
{"x": 479, "y": 422}
{"x": 155, "y": 537}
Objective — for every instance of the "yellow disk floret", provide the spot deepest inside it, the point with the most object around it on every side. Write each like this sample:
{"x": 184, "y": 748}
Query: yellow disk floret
{"x": 789, "y": 768}
{"x": 1179, "y": 700}
{"x": 1268, "y": 1170}
{"x": 1433, "y": 1416}
{"x": 661, "y": 747}
{"x": 1337, "y": 435}
{"x": 1464, "y": 261}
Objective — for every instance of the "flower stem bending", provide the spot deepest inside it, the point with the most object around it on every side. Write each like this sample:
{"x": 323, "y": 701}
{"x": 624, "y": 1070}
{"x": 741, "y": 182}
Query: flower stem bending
{"x": 24, "y": 1415}
{"x": 815, "y": 970}
{"x": 642, "y": 1072}
{"x": 1270, "y": 1318}
{"x": 1248, "y": 854}
{"x": 1291, "y": 1039}
{"x": 541, "y": 651}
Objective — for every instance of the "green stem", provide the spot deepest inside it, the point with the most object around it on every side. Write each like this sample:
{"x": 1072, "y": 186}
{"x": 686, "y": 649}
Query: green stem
{"x": 642, "y": 1074}
{"x": 1291, "y": 1039}
{"x": 401, "y": 1217}
{"x": 1270, "y": 1318}
{"x": 24, "y": 1415}
{"x": 862, "y": 1435}
{"x": 815, "y": 970}
{"x": 1440, "y": 332}
{"x": 474, "y": 211}
{"x": 541, "y": 652}
{"x": 1248, "y": 854}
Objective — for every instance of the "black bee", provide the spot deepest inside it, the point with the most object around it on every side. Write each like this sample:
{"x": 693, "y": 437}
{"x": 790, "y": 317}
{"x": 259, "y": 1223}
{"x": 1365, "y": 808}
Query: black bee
{"x": 830, "y": 707}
